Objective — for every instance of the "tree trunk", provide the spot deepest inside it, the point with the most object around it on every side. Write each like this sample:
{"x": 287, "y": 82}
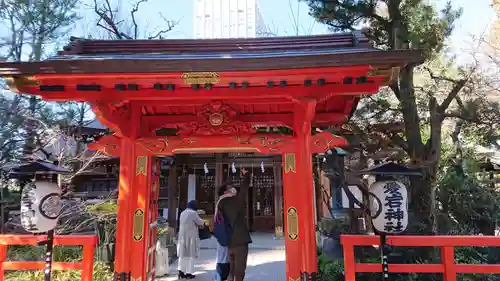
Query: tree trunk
{"x": 420, "y": 201}
{"x": 29, "y": 145}
{"x": 77, "y": 164}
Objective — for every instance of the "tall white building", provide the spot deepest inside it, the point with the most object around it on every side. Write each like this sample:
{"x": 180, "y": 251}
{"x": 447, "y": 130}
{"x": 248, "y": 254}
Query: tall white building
{"x": 227, "y": 19}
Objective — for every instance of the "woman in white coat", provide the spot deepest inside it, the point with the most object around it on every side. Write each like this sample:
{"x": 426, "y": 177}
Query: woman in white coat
{"x": 188, "y": 242}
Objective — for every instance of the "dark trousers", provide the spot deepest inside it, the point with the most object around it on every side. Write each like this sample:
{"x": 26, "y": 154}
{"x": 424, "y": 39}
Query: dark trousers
{"x": 222, "y": 271}
{"x": 238, "y": 262}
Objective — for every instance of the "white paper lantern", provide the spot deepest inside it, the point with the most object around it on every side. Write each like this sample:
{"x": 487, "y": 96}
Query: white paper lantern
{"x": 40, "y": 206}
{"x": 390, "y": 206}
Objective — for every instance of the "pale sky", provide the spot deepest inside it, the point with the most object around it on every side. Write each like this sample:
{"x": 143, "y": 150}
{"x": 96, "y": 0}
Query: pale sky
{"x": 277, "y": 14}
{"x": 477, "y": 16}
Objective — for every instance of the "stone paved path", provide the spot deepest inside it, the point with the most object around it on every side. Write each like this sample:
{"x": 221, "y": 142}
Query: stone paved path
{"x": 266, "y": 261}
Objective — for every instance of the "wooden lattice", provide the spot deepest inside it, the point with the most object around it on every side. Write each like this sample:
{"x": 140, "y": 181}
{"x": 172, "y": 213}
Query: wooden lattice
{"x": 263, "y": 188}
{"x": 205, "y": 192}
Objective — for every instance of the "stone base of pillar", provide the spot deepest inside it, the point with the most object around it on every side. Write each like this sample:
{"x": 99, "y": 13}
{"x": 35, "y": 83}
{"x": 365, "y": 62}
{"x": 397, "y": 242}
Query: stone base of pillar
{"x": 121, "y": 276}
{"x": 312, "y": 276}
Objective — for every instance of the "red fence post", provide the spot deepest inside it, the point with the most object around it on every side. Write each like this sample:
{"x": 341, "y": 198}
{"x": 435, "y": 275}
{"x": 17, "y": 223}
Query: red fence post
{"x": 88, "y": 260}
{"x": 3, "y": 257}
{"x": 349, "y": 262}
{"x": 447, "y": 266}
{"x": 448, "y": 260}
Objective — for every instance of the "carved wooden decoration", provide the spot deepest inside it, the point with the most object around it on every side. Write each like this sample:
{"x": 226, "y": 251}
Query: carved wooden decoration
{"x": 141, "y": 166}
{"x": 290, "y": 163}
{"x": 261, "y": 143}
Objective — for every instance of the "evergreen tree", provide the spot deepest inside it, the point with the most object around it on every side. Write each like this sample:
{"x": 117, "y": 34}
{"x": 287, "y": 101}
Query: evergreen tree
{"x": 423, "y": 96}
{"x": 35, "y": 27}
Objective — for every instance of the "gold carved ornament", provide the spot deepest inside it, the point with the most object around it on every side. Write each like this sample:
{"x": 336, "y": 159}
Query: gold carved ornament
{"x": 216, "y": 119}
{"x": 292, "y": 223}
{"x": 200, "y": 78}
{"x": 290, "y": 163}
{"x": 138, "y": 225}
{"x": 391, "y": 74}
{"x": 141, "y": 165}
{"x": 109, "y": 149}
{"x": 271, "y": 143}
{"x": 17, "y": 84}
{"x": 323, "y": 144}
{"x": 155, "y": 146}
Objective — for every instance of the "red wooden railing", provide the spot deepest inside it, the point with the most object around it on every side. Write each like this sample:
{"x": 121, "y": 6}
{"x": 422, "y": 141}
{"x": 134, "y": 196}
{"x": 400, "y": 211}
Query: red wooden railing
{"x": 86, "y": 265}
{"x": 447, "y": 267}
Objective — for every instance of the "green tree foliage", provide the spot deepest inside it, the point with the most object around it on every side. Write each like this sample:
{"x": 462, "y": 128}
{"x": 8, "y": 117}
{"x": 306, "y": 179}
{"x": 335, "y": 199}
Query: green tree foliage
{"x": 408, "y": 116}
{"x": 10, "y": 123}
{"x": 33, "y": 25}
{"x": 33, "y": 28}
{"x": 392, "y": 24}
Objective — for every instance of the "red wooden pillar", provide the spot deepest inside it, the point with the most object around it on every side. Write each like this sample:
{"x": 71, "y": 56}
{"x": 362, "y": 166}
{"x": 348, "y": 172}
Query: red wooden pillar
{"x": 136, "y": 213}
{"x": 137, "y": 188}
{"x": 124, "y": 217}
{"x": 140, "y": 208}
{"x": 298, "y": 198}
{"x": 291, "y": 200}
{"x": 151, "y": 226}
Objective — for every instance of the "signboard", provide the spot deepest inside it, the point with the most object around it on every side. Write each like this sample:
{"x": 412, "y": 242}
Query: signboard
{"x": 389, "y": 207}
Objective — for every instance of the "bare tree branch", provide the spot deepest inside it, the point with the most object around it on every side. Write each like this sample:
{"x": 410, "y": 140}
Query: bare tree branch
{"x": 452, "y": 95}
{"x": 107, "y": 20}
{"x": 159, "y": 34}
{"x": 134, "y": 10}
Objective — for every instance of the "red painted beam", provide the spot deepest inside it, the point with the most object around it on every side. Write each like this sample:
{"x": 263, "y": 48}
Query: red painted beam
{"x": 190, "y": 103}
{"x": 262, "y": 143}
{"x": 203, "y": 95}
{"x": 155, "y": 122}
{"x": 257, "y": 77}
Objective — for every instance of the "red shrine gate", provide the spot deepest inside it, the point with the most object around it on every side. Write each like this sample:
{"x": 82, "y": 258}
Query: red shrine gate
{"x": 166, "y": 97}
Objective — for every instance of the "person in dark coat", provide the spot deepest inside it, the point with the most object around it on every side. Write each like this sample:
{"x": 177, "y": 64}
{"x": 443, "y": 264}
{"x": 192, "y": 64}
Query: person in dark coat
{"x": 234, "y": 210}
{"x": 222, "y": 261}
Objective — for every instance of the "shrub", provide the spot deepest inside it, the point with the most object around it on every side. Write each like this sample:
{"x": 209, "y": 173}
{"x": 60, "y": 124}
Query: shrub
{"x": 101, "y": 273}
{"x": 31, "y": 253}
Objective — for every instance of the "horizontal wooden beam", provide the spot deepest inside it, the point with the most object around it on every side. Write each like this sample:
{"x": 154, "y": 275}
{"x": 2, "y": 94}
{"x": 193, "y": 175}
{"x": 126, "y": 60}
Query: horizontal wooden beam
{"x": 211, "y": 161}
{"x": 259, "y": 143}
{"x": 268, "y": 101}
{"x": 203, "y": 95}
{"x": 149, "y": 124}
{"x": 252, "y": 76}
